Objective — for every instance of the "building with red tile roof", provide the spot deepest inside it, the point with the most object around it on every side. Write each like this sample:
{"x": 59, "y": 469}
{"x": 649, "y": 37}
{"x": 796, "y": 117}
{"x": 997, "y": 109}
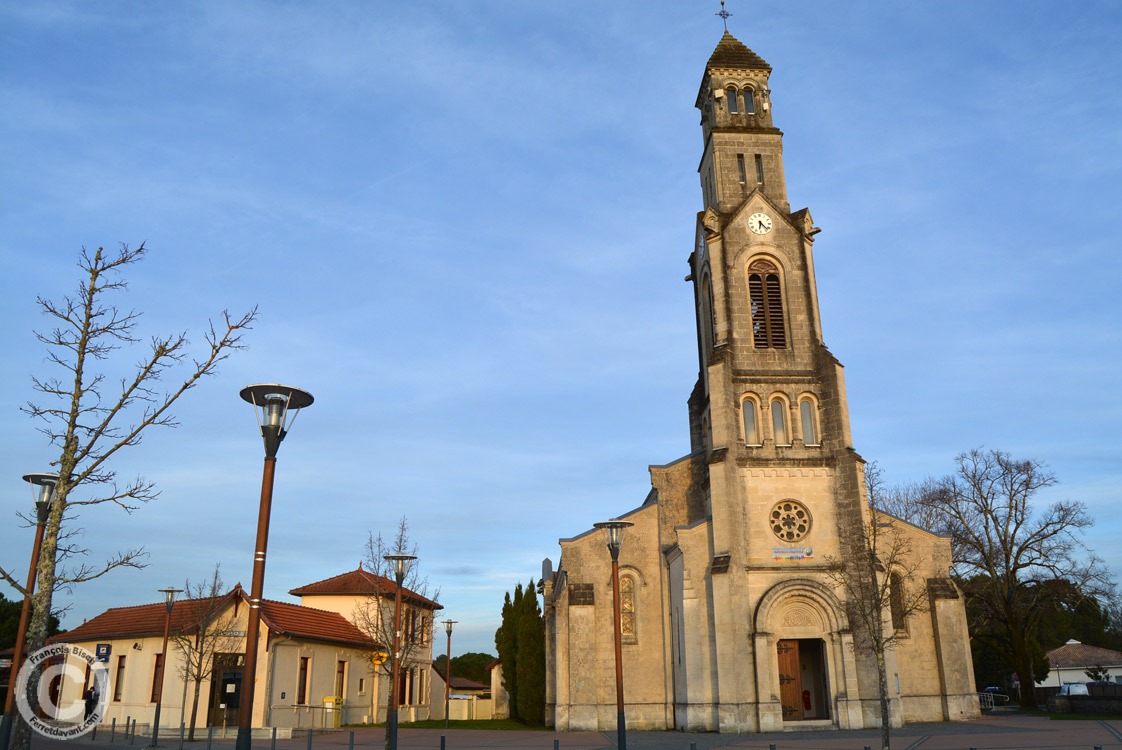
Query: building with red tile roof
{"x": 308, "y": 655}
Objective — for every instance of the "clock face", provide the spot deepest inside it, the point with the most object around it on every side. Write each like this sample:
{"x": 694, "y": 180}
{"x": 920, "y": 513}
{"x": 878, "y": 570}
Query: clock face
{"x": 759, "y": 223}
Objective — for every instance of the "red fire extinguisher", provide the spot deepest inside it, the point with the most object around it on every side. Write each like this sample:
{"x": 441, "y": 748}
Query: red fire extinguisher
{"x": 806, "y": 700}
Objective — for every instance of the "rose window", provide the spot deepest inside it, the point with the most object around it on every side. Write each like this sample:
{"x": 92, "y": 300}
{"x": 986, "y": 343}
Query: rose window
{"x": 790, "y": 521}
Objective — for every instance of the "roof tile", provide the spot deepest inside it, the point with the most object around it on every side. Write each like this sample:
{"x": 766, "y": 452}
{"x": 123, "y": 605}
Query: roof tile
{"x": 731, "y": 53}
{"x": 361, "y": 583}
{"x": 1074, "y": 654}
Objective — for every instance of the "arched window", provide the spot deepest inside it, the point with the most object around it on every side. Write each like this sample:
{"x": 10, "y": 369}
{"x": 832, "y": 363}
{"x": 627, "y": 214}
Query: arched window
{"x": 809, "y": 420}
{"x": 896, "y": 601}
{"x": 779, "y": 421}
{"x": 627, "y": 606}
{"x": 749, "y": 101}
{"x": 712, "y": 311}
{"x": 752, "y": 433}
{"x": 730, "y": 94}
{"x": 766, "y": 296}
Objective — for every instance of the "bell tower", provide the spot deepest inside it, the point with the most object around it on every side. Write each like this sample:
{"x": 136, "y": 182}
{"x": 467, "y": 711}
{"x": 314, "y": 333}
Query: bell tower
{"x": 743, "y": 149}
{"x": 770, "y": 398}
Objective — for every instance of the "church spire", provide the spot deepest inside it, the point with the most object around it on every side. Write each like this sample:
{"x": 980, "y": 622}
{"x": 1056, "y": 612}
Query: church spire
{"x": 731, "y": 54}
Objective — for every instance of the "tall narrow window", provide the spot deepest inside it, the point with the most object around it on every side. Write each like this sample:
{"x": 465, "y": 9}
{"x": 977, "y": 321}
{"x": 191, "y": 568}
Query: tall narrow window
{"x": 809, "y": 423}
{"x": 896, "y": 602}
{"x": 749, "y": 101}
{"x": 119, "y": 682}
{"x": 302, "y": 682}
{"x": 340, "y": 678}
{"x": 627, "y": 606}
{"x": 712, "y": 311}
{"x": 759, "y": 169}
{"x": 779, "y": 421}
{"x": 730, "y": 95}
{"x": 741, "y": 169}
{"x": 751, "y": 424}
{"x": 157, "y": 674}
{"x": 766, "y": 297}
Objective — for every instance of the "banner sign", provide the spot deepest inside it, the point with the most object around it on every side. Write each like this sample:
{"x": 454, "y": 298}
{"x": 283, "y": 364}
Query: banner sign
{"x": 780, "y": 554}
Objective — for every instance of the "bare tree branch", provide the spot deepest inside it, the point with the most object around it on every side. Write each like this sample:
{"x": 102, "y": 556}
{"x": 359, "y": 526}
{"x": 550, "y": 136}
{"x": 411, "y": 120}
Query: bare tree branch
{"x": 15, "y": 584}
{"x": 89, "y": 426}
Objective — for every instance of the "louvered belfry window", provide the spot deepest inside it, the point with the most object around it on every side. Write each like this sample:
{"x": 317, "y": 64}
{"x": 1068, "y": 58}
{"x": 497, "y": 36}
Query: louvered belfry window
{"x": 767, "y": 305}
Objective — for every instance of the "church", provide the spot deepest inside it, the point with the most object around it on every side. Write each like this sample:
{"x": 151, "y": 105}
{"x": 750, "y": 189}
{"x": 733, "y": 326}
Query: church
{"x": 732, "y": 617}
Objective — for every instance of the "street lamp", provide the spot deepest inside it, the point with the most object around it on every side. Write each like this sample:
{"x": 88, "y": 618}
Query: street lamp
{"x": 272, "y": 404}
{"x": 398, "y": 562}
{"x": 43, "y": 490}
{"x": 613, "y": 530}
{"x": 169, "y": 601}
{"x": 448, "y": 669}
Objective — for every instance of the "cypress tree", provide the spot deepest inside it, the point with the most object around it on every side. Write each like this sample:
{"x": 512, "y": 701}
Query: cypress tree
{"x": 531, "y": 660}
{"x": 506, "y": 643}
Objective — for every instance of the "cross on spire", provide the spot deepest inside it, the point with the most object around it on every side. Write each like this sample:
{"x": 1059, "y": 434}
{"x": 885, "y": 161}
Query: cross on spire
{"x": 724, "y": 14}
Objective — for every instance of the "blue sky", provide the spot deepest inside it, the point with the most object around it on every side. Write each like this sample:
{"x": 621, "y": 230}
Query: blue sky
{"x": 466, "y": 226}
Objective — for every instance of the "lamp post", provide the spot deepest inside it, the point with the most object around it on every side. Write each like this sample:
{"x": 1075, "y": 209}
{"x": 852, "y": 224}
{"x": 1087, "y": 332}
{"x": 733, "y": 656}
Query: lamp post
{"x": 43, "y": 489}
{"x": 614, "y": 532}
{"x": 169, "y": 601}
{"x": 399, "y": 562}
{"x": 448, "y": 669}
{"x": 272, "y": 404}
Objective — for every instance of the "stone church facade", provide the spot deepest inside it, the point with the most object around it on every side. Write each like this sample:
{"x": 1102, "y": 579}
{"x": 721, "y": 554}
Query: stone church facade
{"x": 731, "y": 620}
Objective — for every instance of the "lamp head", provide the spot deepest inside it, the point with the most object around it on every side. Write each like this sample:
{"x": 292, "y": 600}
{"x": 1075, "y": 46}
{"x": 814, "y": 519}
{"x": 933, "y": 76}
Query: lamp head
{"x": 399, "y": 562}
{"x": 273, "y": 404}
{"x": 448, "y": 626}
{"x": 613, "y": 531}
{"x": 169, "y": 596}
{"x": 43, "y": 490}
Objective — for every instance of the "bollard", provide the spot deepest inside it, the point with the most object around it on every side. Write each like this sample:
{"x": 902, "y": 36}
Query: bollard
{"x": 442, "y": 742}
{"x": 693, "y": 746}
{"x": 182, "y": 727}
{"x": 350, "y": 746}
{"x": 557, "y": 745}
{"x": 132, "y": 735}
{"x": 113, "y": 730}
{"x": 309, "y": 738}
{"x": 209, "y": 736}
{"x": 771, "y": 746}
{"x": 95, "y": 731}
{"x": 273, "y": 742}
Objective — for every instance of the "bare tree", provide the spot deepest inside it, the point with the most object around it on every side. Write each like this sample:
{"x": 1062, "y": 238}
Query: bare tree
{"x": 375, "y": 615}
{"x": 208, "y": 630}
{"x": 89, "y": 420}
{"x": 906, "y": 501}
{"x": 882, "y": 590}
{"x": 1006, "y": 552}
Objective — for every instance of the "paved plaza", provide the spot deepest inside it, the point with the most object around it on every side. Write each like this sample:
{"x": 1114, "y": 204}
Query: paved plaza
{"x": 988, "y": 733}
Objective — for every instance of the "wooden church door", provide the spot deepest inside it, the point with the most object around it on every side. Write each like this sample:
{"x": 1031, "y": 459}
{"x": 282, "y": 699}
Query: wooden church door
{"x": 790, "y": 680}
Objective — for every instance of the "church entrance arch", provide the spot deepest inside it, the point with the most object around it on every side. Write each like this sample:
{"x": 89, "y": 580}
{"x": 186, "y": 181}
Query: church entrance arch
{"x": 803, "y": 621}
